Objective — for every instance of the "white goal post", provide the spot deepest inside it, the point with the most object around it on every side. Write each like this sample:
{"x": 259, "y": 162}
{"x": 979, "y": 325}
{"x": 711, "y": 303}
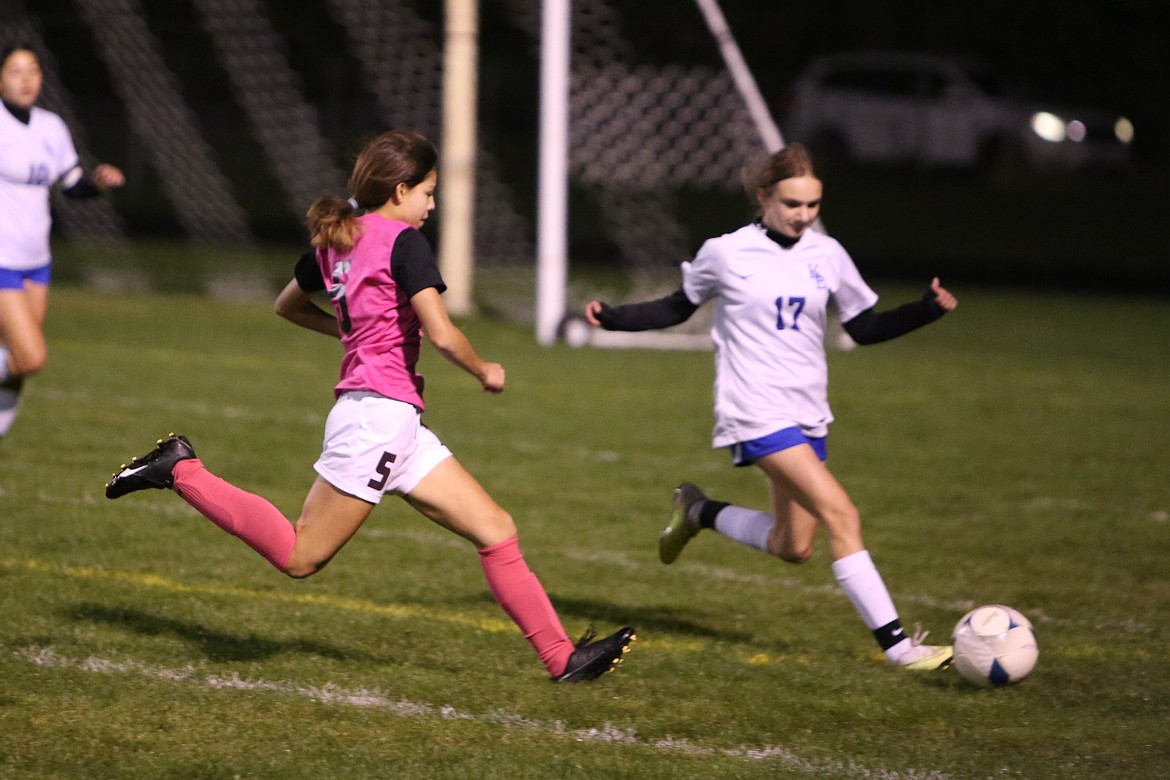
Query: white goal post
{"x": 552, "y": 201}
{"x": 552, "y": 225}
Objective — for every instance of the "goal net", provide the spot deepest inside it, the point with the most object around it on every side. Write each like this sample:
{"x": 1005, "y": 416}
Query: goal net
{"x": 232, "y": 125}
{"x": 658, "y": 136}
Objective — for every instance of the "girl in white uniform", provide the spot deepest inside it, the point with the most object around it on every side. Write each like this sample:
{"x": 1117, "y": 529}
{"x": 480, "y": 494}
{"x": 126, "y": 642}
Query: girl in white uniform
{"x": 36, "y": 153}
{"x": 773, "y": 283}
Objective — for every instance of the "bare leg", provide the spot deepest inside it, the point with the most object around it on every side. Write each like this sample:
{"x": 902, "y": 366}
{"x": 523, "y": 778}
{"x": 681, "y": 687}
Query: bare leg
{"x": 22, "y": 345}
{"x": 451, "y": 497}
{"x": 804, "y": 490}
{"x": 22, "y": 312}
{"x": 328, "y": 519}
{"x": 806, "y": 494}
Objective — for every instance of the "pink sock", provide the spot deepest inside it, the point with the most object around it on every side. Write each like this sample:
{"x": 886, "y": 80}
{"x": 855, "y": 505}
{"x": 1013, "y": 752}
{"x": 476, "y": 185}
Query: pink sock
{"x": 522, "y": 596}
{"x": 251, "y": 518}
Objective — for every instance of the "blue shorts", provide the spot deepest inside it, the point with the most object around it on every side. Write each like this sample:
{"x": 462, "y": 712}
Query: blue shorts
{"x": 745, "y": 453}
{"x": 14, "y": 280}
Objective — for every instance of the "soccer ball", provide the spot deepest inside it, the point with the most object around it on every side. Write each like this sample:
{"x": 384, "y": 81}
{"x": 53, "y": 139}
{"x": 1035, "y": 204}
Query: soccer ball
{"x": 994, "y": 645}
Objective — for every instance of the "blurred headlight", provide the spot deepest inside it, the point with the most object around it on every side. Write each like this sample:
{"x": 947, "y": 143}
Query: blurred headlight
{"x": 1048, "y": 126}
{"x": 1123, "y": 129}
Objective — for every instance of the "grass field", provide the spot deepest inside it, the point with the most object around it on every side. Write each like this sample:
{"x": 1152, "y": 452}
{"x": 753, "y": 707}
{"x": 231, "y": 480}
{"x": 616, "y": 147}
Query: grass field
{"x": 1017, "y": 452}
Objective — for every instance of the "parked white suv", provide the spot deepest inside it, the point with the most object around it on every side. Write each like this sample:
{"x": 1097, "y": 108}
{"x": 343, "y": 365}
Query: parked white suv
{"x": 888, "y": 107}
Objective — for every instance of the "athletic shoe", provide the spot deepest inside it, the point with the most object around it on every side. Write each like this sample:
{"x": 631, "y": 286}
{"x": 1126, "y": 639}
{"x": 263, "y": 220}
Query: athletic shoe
{"x": 925, "y": 658}
{"x": 592, "y": 659}
{"x": 152, "y": 470}
{"x": 682, "y": 526}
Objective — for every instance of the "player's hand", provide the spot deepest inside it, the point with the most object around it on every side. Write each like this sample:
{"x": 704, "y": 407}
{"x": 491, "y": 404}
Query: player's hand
{"x": 493, "y": 378}
{"x": 107, "y": 176}
{"x": 591, "y": 312}
{"x": 942, "y": 296}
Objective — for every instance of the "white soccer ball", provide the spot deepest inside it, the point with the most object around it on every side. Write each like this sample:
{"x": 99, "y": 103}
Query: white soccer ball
{"x": 994, "y": 645}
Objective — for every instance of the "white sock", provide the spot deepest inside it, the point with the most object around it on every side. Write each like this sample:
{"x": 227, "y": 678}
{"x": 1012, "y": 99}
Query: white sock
{"x": 4, "y": 373}
{"x": 747, "y": 526}
{"x": 860, "y": 580}
{"x": 9, "y": 404}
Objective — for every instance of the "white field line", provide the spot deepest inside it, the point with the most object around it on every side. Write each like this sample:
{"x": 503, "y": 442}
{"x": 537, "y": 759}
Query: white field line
{"x": 337, "y": 696}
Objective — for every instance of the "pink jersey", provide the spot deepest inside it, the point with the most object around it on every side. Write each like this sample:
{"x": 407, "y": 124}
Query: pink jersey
{"x": 379, "y": 328}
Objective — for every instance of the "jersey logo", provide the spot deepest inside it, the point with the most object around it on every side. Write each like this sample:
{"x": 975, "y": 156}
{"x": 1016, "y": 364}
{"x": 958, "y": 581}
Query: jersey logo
{"x": 38, "y": 174}
{"x": 337, "y": 293}
{"x": 814, "y": 273}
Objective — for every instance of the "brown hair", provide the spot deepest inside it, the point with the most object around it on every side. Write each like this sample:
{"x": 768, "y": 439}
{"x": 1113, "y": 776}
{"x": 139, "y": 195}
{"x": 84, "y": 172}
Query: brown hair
{"x": 390, "y": 159}
{"x": 11, "y": 48}
{"x": 790, "y": 162}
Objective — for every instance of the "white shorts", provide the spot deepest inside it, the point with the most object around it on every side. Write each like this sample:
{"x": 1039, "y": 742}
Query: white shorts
{"x": 376, "y": 445}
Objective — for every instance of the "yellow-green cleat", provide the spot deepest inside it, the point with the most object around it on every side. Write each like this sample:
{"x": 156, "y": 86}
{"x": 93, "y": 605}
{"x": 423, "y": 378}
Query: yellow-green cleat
{"x": 927, "y": 658}
{"x": 921, "y": 657}
{"x": 684, "y": 523}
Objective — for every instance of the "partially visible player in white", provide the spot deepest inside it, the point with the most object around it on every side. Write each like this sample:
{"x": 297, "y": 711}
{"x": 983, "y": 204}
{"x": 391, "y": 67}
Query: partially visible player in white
{"x": 36, "y": 153}
{"x": 773, "y": 282}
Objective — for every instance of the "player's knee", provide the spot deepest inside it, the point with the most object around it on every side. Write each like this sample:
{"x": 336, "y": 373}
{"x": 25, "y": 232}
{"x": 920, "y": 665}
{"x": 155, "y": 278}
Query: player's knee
{"x": 300, "y": 571}
{"x": 497, "y": 528}
{"x": 788, "y": 549}
{"x": 794, "y": 554}
{"x": 28, "y": 362}
{"x": 301, "y": 566}
{"x": 488, "y": 527}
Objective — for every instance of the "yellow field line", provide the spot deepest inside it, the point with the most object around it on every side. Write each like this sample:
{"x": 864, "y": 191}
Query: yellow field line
{"x": 400, "y": 611}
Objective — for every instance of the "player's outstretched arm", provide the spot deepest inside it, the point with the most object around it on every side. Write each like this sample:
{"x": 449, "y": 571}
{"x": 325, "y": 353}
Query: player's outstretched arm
{"x": 662, "y": 312}
{"x": 873, "y": 327}
{"x": 451, "y": 342}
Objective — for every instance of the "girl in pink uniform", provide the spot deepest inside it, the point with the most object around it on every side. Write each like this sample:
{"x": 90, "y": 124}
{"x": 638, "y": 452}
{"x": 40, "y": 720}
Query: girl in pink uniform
{"x": 385, "y": 289}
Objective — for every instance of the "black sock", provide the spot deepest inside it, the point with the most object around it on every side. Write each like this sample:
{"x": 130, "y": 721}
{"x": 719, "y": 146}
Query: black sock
{"x": 890, "y": 634}
{"x": 708, "y": 510}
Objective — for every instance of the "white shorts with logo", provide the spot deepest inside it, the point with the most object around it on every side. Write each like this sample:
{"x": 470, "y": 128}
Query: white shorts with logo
{"x": 376, "y": 445}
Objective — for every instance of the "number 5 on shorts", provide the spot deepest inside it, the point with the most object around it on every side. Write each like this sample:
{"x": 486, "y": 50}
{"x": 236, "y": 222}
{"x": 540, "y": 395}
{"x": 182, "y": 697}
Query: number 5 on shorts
{"x": 383, "y": 470}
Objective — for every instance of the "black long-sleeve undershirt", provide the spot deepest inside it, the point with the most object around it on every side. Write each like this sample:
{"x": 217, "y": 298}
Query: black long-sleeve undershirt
{"x": 82, "y": 189}
{"x": 872, "y": 327}
{"x": 648, "y": 315}
{"x": 868, "y": 327}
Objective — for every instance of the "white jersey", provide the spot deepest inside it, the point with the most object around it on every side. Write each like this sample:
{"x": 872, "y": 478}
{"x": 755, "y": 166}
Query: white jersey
{"x": 32, "y": 158}
{"x": 772, "y": 308}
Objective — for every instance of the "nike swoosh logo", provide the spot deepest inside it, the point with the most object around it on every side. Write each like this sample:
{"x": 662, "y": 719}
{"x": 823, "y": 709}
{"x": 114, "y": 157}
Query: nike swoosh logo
{"x": 131, "y": 472}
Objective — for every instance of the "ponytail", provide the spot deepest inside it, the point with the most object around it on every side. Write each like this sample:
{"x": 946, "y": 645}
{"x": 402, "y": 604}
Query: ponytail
{"x": 333, "y": 223}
